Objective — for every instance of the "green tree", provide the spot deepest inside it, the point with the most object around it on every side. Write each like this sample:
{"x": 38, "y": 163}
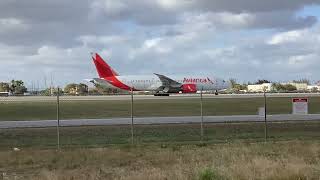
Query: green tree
{"x": 290, "y": 87}
{"x": 4, "y": 87}
{"x": 71, "y": 88}
{"x": 17, "y": 87}
{"x": 314, "y": 89}
{"x": 262, "y": 81}
{"x": 239, "y": 87}
{"x": 277, "y": 87}
{"x": 49, "y": 92}
{"x": 283, "y": 88}
{"x": 76, "y": 89}
{"x": 45, "y": 92}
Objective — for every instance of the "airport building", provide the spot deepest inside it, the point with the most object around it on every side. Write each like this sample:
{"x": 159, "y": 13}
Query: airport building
{"x": 299, "y": 86}
{"x": 260, "y": 87}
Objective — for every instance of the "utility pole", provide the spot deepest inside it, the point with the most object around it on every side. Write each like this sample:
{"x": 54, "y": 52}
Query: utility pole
{"x": 45, "y": 82}
{"x": 58, "y": 119}
{"x": 51, "y": 85}
{"x": 132, "y": 131}
{"x": 38, "y": 88}
{"x": 201, "y": 113}
{"x": 265, "y": 116}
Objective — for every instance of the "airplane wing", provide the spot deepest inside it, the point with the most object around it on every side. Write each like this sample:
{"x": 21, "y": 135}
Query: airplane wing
{"x": 167, "y": 82}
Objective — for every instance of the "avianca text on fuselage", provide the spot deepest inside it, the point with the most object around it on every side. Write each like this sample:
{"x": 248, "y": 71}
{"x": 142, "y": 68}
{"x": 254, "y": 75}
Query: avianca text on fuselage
{"x": 155, "y": 82}
{"x": 197, "y": 80}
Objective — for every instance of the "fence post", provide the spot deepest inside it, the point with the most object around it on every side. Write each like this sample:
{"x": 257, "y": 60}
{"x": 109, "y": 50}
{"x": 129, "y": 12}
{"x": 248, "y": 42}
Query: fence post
{"x": 58, "y": 119}
{"x": 201, "y": 113}
{"x": 132, "y": 133}
{"x": 265, "y": 117}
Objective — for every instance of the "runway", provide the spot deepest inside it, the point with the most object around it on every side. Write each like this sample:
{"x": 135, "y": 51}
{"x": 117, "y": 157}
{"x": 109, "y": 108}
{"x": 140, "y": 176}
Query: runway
{"x": 148, "y": 97}
{"x": 156, "y": 120}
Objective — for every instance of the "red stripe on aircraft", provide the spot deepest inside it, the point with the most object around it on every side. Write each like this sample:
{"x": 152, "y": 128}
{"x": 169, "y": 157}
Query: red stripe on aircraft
{"x": 117, "y": 83}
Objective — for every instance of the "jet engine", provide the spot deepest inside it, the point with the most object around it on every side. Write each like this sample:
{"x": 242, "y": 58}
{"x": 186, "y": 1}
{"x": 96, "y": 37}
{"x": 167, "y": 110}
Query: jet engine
{"x": 189, "y": 88}
{"x": 171, "y": 89}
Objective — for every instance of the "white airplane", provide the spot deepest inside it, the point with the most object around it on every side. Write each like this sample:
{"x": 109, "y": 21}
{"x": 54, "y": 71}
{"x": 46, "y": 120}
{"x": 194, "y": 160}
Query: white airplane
{"x": 160, "y": 84}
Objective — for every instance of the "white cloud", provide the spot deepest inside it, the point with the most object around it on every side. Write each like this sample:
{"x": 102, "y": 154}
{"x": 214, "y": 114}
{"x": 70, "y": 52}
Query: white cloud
{"x": 286, "y": 37}
{"x": 66, "y": 65}
{"x": 303, "y": 60}
{"x": 224, "y": 20}
{"x": 153, "y": 45}
{"x": 12, "y": 24}
{"x": 234, "y": 20}
{"x": 175, "y": 4}
{"x": 149, "y": 43}
{"x": 50, "y": 55}
{"x": 223, "y": 55}
{"x": 305, "y": 39}
{"x": 109, "y": 7}
{"x": 168, "y": 3}
{"x": 88, "y": 40}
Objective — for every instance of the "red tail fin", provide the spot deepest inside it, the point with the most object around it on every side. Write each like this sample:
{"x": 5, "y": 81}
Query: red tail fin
{"x": 104, "y": 70}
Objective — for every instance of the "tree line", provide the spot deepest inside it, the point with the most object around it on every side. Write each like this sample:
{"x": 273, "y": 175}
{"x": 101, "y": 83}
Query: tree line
{"x": 276, "y": 87}
{"x": 17, "y": 87}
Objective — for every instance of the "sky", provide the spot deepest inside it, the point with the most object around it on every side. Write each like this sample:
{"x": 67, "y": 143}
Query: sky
{"x": 43, "y": 41}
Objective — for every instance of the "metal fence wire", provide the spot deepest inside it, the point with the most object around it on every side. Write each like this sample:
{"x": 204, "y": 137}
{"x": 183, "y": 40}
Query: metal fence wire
{"x": 91, "y": 121}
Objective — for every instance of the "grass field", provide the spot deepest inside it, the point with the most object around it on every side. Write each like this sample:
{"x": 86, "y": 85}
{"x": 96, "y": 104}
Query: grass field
{"x": 100, "y": 136}
{"x": 145, "y": 108}
{"x": 286, "y": 160}
{"x": 230, "y": 151}
{"x": 172, "y": 151}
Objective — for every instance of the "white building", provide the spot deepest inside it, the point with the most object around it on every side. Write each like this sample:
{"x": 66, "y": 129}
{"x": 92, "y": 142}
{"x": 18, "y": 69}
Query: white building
{"x": 260, "y": 87}
{"x": 313, "y": 88}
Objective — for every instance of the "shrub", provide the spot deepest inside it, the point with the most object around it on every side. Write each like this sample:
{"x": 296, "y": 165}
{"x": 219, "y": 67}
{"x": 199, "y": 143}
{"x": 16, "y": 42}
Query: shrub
{"x": 209, "y": 174}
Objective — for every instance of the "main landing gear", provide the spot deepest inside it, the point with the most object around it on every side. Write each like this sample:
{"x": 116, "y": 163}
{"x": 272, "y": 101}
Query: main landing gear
{"x": 161, "y": 94}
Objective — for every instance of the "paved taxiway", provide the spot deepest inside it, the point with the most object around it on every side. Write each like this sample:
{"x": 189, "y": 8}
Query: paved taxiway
{"x": 157, "y": 120}
{"x": 149, "y": 97}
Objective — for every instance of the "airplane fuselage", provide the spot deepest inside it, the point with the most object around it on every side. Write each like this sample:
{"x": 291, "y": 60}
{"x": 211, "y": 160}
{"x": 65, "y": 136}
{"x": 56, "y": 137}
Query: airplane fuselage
{"x": 153, "y": 83}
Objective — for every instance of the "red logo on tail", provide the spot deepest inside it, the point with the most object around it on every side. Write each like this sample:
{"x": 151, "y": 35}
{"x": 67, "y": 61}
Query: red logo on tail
{"x": 108, "y": 74}
{"x": 104, "y": 70}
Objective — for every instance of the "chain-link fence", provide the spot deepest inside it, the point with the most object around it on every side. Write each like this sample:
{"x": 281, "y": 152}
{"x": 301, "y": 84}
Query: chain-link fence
{"x": 86, "y": 121}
